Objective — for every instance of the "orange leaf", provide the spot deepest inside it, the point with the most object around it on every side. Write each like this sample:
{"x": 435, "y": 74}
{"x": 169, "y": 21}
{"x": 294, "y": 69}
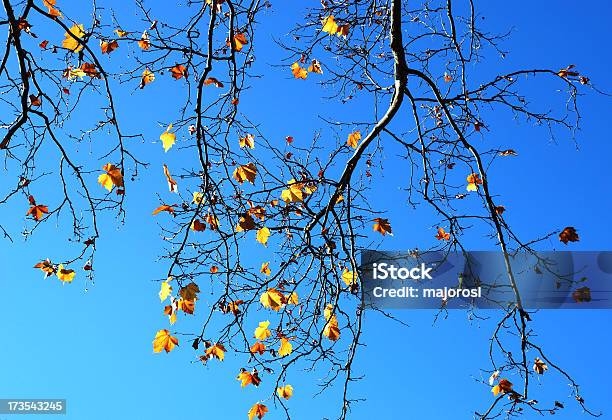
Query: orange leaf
{"x": 213, "y": 81}
{"x": 258, "y": 348}
{"x": 240, "y": 40}
{"x": 258, "y": 410}
{"x": 108, "y": 47}
{"x": 442, "y": 235}
{"x": 504, "y": 386}
{"x": 50, "y": 5}
{"x": 178, "y": 72}
{"x": 315, "y": 67}
{"x": 111, "y": 177}
{"x": 298, "y": 72}
{"x": 187, "y": 306}
{"x": 474, "y": 181}
{"x": 382, "y": 226}
{"x": 172, "y": 185}
{"x": 46, "y": 267}
{"x": 144, "y": 42}
{"x": 37, "y": 212}
{"x": 164, "y": 207}
{"x": 353, "y": 139}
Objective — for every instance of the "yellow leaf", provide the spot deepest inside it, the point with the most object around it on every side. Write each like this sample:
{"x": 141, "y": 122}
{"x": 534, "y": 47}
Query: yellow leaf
{"x": 121, "y": 33}
{"x": 105, "y": 181}
{"x": 285, "y": 391}
{"x": 262, "y": 332}
{"x": 265, "y": 268}
{"x": 74, "y": 73}
{"x": 539, "y": 366}
{"x": 246, "y": 173}
{"x": 293, "y": 298}
{"x": 329, "y": 25}
{"x": 285, "y": 348}
{"x": 70, "y": 43}
{"x": 504, "y": 386}
{"x": 65, "y": 274}
{"x": 292, "y": 195}
{"x": 348, "y": 277}
{"x": 218, "y": 351}
{"x": 168, "y": 139}
{"x": 197, "y": 197}
{"x": 164, "y": 341}
{"x": 262, "y": 235}
{"x": 272, "y": 299}
{"x": 353, "y": 139}
{"x": 309, "y": 188}
{"x": 473, "y": 182}
{"x": 329, "y": 311}
{"x": 112, "y": 177}
{"x": 165, "y": 290}
{"x": 258, "y": 410}
{"x": 147, "y": 77}
{"x": 331, "y": 330}
{"x": 246, "y": 377}
{"x": 240, "y": 41}
{"x": 296, "y": 192}
{"x": 247, "y": 141}
{"x": 169, "y": 310}
{"x": 315, "y": 67}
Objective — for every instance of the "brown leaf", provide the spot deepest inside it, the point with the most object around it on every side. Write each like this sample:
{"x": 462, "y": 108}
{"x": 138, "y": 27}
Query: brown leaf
{"x": 190, "y": 292}
{"x": 569, "y": 234}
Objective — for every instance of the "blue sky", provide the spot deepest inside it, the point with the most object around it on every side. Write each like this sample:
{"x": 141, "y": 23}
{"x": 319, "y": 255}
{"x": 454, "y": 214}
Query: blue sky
{"x": 93, "y": 345}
